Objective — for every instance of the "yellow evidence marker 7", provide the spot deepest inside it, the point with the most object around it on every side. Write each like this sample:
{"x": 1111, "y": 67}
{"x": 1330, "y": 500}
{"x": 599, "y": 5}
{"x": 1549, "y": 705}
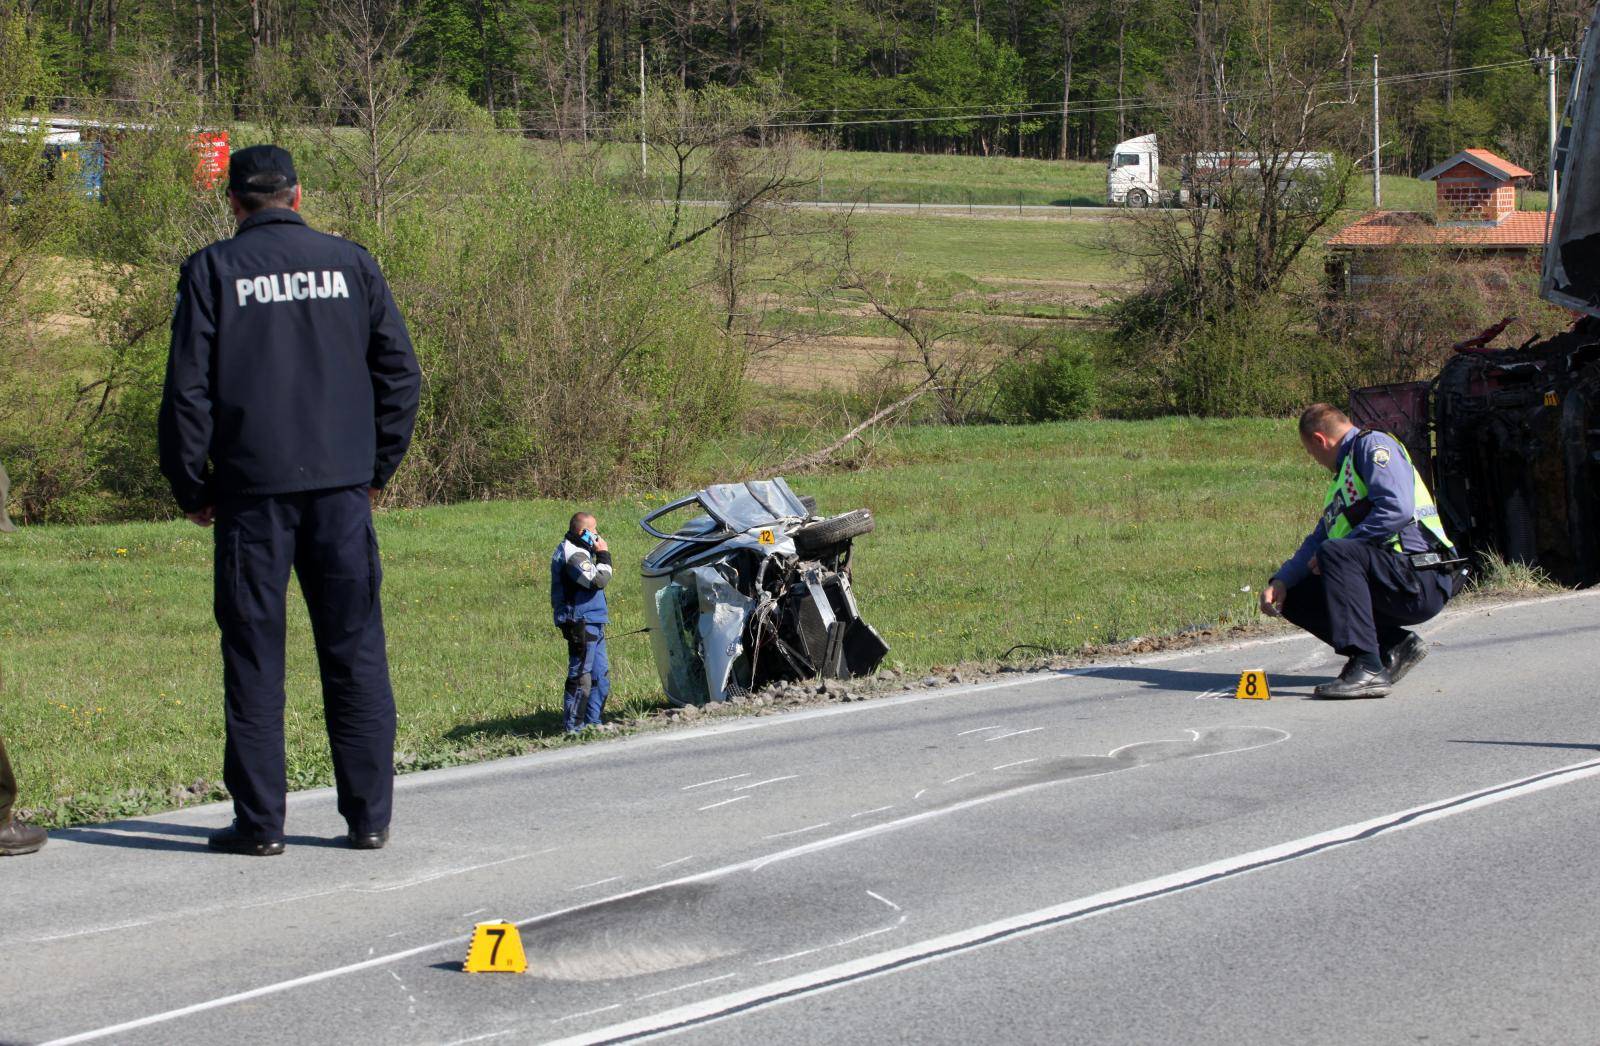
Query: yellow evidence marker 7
{"x": 1253, "y": 686}
{"x": 496, "y": 948}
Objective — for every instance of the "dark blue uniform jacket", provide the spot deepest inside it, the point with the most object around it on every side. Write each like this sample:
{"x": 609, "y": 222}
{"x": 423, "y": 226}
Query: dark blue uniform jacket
{"x": 290, "y": 369}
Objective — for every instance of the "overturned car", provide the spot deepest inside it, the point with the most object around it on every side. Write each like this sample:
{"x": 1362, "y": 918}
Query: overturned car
{"x": 753, "y": 588}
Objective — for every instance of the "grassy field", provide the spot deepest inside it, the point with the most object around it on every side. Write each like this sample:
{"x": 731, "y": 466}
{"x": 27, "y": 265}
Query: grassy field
{"x": 1054, "y": 535}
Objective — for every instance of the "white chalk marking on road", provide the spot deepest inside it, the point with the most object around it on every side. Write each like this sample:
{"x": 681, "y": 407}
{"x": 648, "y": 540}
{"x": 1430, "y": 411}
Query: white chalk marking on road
{"x": 397, "y": 933}
{"x": 871, "y": 933}
{"x": 482, "y": 1038}
{"x": 1019, "y": 762}
{"x": 669, "y": 864}
{"x": 791, "y": 955}
{"x": 714, "y": 781}
{"x": 1208, "y": 695}
{"x": 475, "y": 911}
{"x": 752, "y": 865}
{"x": 961, "y": 777}
{"x": 815, "y": 982}
{"x": 724, "y": 802}
{"x": 770, "y": 780}
{"x": 597, "y": 882}
{"x": 981, "y": 729}
{"x": 92, "y": 929}
{"x": 685, "y": 987}
{"x": 447, "y": 873}
{"x": 797, "y": 831}
{"x": 885, "y": 900}
{"x": 1014, "y": 733}
{"x": 874, "y": 810}
{"x": 920, "y": 794}
{"x": 586, "y": 1013}
{"x": 289, "y": 900}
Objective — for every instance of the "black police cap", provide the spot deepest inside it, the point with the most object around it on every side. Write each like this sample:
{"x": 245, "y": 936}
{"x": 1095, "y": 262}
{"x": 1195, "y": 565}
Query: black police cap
{"x": 261, "y": 168}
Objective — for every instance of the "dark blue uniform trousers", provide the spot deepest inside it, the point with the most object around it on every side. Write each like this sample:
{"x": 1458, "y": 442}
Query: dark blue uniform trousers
{"x": 588, "y": 678}
{"x": 326, "y": 536}
{"x": 1365, "y": 597}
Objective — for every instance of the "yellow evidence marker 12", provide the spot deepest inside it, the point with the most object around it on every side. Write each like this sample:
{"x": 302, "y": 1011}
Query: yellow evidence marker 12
{"x": 496, "y": 948}
{"x": 1253, "y": 686}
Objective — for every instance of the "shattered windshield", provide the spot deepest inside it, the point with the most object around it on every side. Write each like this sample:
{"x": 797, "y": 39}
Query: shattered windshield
{"x": 745, "y": 505}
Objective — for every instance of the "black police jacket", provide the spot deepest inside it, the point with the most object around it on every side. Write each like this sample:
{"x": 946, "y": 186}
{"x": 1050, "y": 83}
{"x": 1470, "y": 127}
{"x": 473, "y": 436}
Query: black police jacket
{"x": 290, "y": 367}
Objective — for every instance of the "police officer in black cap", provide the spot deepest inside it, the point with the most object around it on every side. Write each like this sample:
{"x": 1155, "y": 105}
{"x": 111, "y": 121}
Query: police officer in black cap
{"x": 290, "y": 396}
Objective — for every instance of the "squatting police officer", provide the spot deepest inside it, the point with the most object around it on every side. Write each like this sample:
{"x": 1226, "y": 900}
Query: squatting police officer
{"x": 580, "y": 569}
{"x": 1378, "y": 560}
{"x": 290, "y": 396}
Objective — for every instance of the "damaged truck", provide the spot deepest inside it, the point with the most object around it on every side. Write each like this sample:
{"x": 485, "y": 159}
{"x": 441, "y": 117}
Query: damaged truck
{"x": 1510, "y": 438}
{"x": 754, "y": 588}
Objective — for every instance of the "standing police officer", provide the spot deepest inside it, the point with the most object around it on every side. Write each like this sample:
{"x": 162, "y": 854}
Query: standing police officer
{"x": 290, "y": 397}
{"x": 1377, "y": 561}
{"x": 580, "y": 570}
{"x": 16, "y": 838}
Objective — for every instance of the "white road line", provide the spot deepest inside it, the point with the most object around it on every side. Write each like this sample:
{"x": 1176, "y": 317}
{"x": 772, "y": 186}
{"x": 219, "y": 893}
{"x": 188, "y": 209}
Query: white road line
{"x": 586, "y": 1013}
{"x": 475, "y": 911}
{"x": 685, "y": 987}
{"x": 797, "y": 831}
{"x": 813, "y": 982}
{"x": 791, "y": 955}
{"x": 981, "y": 729}
{"x": 874, "y": 810}
{"x": 1014, "y": 733}
{"x": 770, "y": 780}
{"x": 750, "y": 865}
{"x": 885, "y": 900}
{"x": 1019, "y": 762}
{"x": 715, "y": 781}
{"x": 597, "y": 882}
{"x": 725, "y": 802}
{"x": 669, "y": 864}
{"x": 961, "y": 777}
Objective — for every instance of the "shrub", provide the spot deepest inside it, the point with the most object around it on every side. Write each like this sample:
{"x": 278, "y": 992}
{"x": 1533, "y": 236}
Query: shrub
{"x": 1058, "y": 384}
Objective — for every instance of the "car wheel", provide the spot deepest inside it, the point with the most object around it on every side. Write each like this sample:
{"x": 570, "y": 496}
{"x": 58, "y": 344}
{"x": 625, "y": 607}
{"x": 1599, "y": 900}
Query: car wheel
{"x": 828, "y": 532}
{"x": 1138, "y": 198}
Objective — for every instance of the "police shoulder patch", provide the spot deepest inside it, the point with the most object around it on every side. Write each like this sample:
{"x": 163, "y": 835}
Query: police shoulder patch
{"x": 1380, "y": 457}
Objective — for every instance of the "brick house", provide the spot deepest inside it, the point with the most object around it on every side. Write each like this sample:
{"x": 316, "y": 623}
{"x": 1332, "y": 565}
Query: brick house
{"x": 1475, "y": 215}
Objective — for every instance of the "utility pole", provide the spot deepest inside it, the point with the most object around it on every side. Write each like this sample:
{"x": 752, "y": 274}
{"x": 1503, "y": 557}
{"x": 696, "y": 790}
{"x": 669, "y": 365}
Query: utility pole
{"x": 1377, "y": 148}
{"x": 1550, "y": 57}
{"x": 644, "y": 154}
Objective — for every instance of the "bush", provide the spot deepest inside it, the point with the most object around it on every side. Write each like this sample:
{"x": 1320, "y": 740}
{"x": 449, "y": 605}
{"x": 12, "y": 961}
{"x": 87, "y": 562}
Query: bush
{"x": 1057, "y": 385}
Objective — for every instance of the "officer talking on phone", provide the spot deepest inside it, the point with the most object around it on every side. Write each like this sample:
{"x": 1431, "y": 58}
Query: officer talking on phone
{"x": 290, "y": 396}
{"x": 580, "y": 570}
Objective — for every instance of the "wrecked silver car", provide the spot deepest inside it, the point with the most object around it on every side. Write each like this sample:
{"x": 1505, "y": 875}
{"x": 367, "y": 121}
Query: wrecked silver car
{"x": 754, "y": 589}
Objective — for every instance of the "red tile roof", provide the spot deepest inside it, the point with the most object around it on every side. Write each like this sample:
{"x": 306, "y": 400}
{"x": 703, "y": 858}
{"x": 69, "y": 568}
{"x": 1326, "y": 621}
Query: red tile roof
{"x": 1484, "y": 160}
{"x": 1415, "y": 229}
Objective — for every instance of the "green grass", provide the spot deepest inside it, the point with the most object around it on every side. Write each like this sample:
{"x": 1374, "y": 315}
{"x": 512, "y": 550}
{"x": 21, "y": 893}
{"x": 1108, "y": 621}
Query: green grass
{"x": 989, "y": 250}
{"x": 1053, "y": 535}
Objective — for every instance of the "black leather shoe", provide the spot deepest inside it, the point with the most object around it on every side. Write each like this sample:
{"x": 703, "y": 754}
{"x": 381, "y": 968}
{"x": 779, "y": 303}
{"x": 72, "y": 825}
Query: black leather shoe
{"x": 17, "y": 839}
{"x": 230, "y": 840}
{"x": 1357, "y": 681}
{"x": 1404, "y": 656}
{"x": 368, "y": 840}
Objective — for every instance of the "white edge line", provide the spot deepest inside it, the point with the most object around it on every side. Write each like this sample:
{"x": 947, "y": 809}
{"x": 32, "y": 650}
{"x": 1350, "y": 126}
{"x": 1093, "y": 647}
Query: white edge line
{"x": 751, "y": 865}
{"x": 924, "y": 952}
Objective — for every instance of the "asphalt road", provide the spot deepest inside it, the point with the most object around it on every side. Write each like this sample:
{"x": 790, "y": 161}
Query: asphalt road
{"x": 1119, "y": 854}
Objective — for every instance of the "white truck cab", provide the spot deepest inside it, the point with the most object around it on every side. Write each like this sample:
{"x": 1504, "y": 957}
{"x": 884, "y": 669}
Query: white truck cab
{"x": 1133, "y": 178}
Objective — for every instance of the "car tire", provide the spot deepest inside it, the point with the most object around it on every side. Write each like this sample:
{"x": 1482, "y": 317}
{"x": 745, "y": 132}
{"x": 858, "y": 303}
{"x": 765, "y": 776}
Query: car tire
{"x": 834, "y": 531}
{"x": 1138, "y": 198}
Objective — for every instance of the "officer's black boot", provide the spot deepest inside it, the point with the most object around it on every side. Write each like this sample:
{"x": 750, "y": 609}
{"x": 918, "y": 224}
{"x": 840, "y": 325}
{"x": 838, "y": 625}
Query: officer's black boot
{"x": 17, "y": 838}
{"x": 1404, "y": 656}
{"x": 230, "y": 840}
{"x": 1363, "y": 676}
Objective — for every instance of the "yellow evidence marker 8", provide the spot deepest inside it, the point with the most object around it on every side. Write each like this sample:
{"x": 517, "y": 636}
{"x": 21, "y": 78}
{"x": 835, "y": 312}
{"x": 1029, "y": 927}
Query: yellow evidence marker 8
{"x": 1253, "y": 686}
{"x": 496, "y": 948}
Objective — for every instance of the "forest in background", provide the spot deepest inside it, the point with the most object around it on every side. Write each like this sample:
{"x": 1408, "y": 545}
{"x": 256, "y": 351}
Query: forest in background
{"x": 1038, "y": 78}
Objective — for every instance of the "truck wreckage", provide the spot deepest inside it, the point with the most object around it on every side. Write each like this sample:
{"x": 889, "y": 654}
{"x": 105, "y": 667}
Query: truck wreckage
{"x": 754, "y": 589}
